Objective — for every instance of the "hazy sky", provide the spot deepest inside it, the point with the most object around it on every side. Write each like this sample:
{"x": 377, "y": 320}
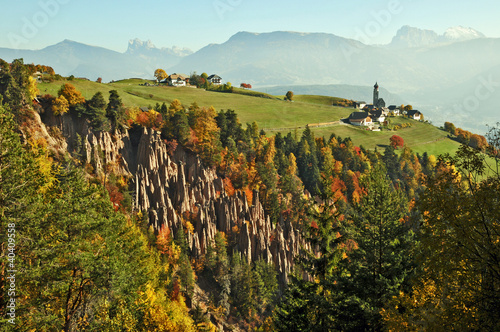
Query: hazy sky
{"x": 35, "y": 24}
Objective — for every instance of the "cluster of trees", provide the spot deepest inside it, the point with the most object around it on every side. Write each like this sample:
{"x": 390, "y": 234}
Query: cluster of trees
{"x": 404, "y": 263}
{"x": 244, "y": 290}
{"x": 102, "y": 114}
{"x": 397, "y": 127}
{"x": 43, "y": 69}
{"x": 466, "y": 137}
{"x": 344, "y": 102}
{"x": 365, "y": 258}
{"x": 17, "y": 87}
{"x": 245, "y": 86}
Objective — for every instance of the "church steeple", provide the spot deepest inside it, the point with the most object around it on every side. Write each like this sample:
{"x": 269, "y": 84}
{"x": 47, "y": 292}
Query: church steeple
{"x": 375, "y": 95}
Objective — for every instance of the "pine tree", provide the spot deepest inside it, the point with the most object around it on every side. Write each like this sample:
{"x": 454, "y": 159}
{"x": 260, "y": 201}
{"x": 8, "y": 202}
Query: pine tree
{"x": 114, "y": 110}
{"x": 311, "y": 304}
{"x": 380, "y": 254}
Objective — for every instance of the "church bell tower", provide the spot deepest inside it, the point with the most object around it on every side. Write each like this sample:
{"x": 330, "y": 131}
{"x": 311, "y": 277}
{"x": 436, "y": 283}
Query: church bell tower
{"x": 375, "y": 95}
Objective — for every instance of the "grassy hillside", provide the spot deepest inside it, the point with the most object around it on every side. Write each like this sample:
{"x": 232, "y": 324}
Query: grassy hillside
{"x": 421, "y": 137}
{"x": 270, "y": 114}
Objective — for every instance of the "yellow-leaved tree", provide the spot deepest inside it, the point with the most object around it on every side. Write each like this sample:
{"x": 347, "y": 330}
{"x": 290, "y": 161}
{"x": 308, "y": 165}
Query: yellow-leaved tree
{"x": 72, "y": 95}
{"x": 32, "y": 88}
{"x": 207, "y": 134}
{"x": 60, "y": 105}
{"x": 160, "y": 74}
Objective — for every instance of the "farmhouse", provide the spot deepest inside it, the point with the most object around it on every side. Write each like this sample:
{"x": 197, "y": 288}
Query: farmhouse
{"x": 177, "y": 80}
{"x": 377, "y": 115}
{"x": 394, "y": 109}
{"x": 360, "y": 104}
{"x": 414, "y": 114}
{"x": 360, "y": 119}
{"x": 215, "y": 79}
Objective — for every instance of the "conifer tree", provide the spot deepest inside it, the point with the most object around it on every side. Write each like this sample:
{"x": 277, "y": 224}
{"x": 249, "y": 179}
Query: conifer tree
{"x": 310, "y": 303}
{"x": 380, "y": 251}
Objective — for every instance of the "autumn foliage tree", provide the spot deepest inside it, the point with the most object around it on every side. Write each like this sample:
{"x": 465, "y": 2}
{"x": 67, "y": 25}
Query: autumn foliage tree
{"x": 478, "y": 142}
{"x": 60, "y": 105}
{"x": 450, "y": 127}
{"x": 396, "y": 141}
{"x": 71, "y": 94}
{"x": 160, "y": 74}
{"x": 207, "y": 133}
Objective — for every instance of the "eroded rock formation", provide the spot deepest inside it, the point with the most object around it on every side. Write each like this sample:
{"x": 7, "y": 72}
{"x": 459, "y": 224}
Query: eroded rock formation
{"x": 176, "y": 188}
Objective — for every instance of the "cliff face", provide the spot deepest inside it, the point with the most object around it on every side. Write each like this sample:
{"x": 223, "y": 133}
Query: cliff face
{"x": 176, "y": 188}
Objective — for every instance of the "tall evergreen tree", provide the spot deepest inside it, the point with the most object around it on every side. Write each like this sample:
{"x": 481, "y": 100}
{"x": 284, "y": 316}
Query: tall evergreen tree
{"x": 114, "y": 110}
{"x": 310, "y": 303}
{"x": 380, "y": 255}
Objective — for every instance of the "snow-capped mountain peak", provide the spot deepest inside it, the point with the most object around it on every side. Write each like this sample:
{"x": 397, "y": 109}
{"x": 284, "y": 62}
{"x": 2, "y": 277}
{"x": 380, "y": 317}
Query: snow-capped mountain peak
{"x": 461, "y": 33}
{"x": 137, "y": 44}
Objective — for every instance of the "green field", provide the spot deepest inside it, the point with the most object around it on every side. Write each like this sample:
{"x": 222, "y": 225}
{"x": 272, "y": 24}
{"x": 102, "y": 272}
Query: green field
{"x": 272, "y": 114}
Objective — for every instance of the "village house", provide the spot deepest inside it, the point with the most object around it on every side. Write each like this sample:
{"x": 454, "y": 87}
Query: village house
{"x": 38, "y": 76}
{"x": 377, "y": 115}
{"x": 414, "y": 114}
{"x": 360, "y": 119}
{"x": 360, "y": 105}
{"x": 394, "y": 109}
{"x": 215, "y": 79}
{"x": 177, "y": 80}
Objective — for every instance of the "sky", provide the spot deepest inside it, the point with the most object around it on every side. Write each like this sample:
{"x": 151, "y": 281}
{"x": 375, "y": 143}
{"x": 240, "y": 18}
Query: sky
{"x": 35, "y": 24}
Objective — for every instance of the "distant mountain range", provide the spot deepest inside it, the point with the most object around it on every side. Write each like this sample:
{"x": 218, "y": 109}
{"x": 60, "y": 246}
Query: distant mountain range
{"x": 408, "y": 37}
{"x": 81, "y": 60}
{"x": 432, "y": 71}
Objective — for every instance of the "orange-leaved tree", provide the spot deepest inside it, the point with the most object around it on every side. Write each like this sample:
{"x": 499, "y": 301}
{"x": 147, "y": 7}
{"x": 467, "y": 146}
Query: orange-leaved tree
{"x": 72, "y": 95}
